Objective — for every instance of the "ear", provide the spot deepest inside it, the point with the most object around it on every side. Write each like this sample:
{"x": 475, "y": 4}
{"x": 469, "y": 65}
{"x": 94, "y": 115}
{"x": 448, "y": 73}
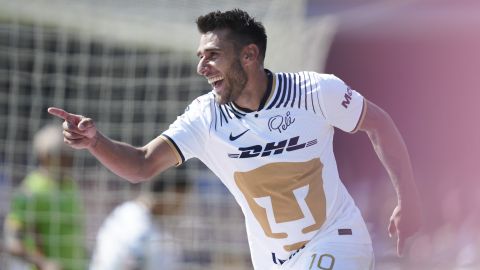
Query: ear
{"x": 250, "y": 54}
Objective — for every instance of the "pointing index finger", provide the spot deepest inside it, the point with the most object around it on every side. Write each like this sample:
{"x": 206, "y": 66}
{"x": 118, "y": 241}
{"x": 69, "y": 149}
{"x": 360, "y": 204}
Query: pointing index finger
{"x": 62, "y": 114}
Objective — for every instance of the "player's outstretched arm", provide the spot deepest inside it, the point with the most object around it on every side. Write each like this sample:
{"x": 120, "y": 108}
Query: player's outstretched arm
{"x": 132, "y": 163}
{"x": 392, "y": 152}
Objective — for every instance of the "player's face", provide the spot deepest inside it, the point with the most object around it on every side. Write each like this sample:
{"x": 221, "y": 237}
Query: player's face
{"x": 220, "y": 64}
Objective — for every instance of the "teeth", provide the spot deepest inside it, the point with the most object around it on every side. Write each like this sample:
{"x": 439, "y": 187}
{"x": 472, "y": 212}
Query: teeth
{"x": 214, "y": 79}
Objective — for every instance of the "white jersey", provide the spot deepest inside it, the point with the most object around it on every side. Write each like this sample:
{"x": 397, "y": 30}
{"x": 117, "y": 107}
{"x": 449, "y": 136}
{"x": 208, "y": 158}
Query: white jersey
{"x": 278, "y": 162}
{"x": 128, "y": 239}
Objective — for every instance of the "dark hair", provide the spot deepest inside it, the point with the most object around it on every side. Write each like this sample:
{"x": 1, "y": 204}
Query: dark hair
{"x": 244, "y": 29}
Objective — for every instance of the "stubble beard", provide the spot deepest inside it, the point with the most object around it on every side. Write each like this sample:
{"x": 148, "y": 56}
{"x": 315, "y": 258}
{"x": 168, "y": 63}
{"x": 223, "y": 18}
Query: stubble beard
{"x": 235, "y": 81}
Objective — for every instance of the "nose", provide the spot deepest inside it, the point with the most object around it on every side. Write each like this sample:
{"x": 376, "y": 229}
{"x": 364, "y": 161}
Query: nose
{"x": 202, "y": 67}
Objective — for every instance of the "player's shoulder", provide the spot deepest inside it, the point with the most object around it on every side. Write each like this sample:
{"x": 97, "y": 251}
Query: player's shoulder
{"x": 321, "y": 77}
{"x": 312, "y": 76}
{"x": 205, "y": 98}
{"x": 201, "y": 103}
{"x": 330, "y": 82}
{"x": 199, "y": 110}
{"x": 323, "y": 85}
{"x": 324, "y": 81}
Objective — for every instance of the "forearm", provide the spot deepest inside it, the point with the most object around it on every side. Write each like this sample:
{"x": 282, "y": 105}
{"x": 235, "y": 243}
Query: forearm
{"x": 123, "y": 159}
{"x": 132, "y": 163}
{"x": 393, "y": 154}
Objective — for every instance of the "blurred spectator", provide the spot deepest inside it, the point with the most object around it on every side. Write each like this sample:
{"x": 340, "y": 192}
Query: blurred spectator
{"x": 131, "y": 237}
{"x": 44, "y": 227}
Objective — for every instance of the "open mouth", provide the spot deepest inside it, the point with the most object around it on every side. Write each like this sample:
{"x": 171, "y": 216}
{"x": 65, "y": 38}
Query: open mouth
{"x": 215, "y": 81}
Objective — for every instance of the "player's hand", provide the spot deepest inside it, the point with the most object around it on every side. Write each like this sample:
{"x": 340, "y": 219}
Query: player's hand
{"x": 78, "y": 131}
{"x": 404, "y": 223}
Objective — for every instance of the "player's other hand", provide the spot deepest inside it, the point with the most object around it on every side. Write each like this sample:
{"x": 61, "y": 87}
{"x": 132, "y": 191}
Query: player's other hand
{"x": 404, "y": 223}
{"x": 78, "y": 131}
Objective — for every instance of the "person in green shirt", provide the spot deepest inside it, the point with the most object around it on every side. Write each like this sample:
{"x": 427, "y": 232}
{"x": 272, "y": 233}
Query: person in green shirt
{"x": 45, "y": 224}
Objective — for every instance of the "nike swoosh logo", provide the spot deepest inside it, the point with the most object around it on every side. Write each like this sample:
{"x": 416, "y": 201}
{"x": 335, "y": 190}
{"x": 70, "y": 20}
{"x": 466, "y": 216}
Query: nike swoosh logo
{"x": 233, "y": 138}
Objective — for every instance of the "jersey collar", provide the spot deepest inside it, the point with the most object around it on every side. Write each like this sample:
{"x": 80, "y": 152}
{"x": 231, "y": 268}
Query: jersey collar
{"x": 266, "y": 97}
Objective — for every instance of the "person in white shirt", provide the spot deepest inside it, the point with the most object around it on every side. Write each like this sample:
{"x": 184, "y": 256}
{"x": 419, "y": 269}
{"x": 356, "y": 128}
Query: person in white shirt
{"x": 130, "y": 238}
{"x": 268, "y": 136}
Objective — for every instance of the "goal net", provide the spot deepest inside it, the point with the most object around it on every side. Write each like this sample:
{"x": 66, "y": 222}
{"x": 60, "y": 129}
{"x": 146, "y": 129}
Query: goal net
{"x": 131, "y": 66}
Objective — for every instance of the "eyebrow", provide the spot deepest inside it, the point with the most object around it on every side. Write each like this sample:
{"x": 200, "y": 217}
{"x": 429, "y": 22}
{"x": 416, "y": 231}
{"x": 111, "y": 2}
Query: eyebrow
{"x": 209, "y": 50}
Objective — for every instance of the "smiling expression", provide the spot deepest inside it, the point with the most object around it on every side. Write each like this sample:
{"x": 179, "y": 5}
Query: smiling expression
{"x": 220, "y": 64}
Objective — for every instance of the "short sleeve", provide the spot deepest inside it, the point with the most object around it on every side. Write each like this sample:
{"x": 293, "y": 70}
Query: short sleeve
{"x": 343, "y": 107}
{"x": 187, "y": 134}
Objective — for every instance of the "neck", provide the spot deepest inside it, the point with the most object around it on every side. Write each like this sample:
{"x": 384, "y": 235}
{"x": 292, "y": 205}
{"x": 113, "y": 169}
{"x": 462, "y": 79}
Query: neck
{"x": 254, "y": 90}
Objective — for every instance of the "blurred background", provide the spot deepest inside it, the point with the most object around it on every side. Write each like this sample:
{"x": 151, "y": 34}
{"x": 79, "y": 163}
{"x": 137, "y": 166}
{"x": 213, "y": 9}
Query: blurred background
{"x": 131, "y": 67}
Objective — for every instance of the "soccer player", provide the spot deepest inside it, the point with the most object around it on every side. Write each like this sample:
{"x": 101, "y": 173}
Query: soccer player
{"x": 268, "y": 137}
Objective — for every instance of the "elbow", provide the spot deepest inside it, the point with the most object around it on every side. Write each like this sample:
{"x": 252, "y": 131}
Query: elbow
{"x": 140, "y": 172}
{"x": 138, "y": 177}
{"x": 151, "y": 160}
